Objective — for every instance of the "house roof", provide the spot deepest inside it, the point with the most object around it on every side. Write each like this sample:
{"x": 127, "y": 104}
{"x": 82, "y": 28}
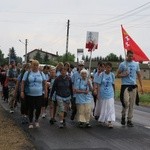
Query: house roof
{"x": 42, "y": 52}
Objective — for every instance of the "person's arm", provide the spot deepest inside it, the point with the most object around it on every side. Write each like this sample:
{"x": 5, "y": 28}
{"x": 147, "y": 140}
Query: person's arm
{"x": 98, "y": 91}
{"x": 53, "y": 88}
{"x": 45, "y": 89}
{"x": 16, "y": 88}
{"x": 121, "y": 74}
{"x": 140, "y": 81}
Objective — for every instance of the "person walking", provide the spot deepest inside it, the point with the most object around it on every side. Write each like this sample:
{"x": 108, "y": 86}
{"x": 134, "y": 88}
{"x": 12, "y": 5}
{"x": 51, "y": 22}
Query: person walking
{"x": 84, "y": 99}
{"x": 12, "y": 80}
{"x": 106, "y": 96}
{"x": 24, "y": 106}
{"x": 96, "y": 74}
{"x": 33, "y": 86}
{"x": 128, "y": 71}
{"x": 63, "y": 88}
{"x": 76, "y": 75}
{"x": 52, "y": 101}
{"x": 46, "y": 71}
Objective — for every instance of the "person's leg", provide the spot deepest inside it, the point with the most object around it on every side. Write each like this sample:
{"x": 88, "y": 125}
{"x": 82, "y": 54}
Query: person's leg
{"x": 11, "y": 99}
{"x": 80, "y": 115}
{"x": 61, "y": 112}
{"x": 131, "y": 105}
{"x": 30, "y": 101}
{"x": 73, "y": 108}
{"x": 124, "y": 109}
{"x": 43, "y": 108}
{"x": 87, "y": 114}
{"x": 52, "y": 107}
{"x": 38, "y": 105}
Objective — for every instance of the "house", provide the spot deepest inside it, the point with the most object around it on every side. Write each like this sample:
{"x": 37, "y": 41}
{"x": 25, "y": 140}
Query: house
{"x": 33, "y": 53}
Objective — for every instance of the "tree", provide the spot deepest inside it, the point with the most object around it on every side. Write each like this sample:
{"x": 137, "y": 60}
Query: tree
{"x": 46, "y": 59}
{"x": 38, "y": 57}
{"x": 12, "y": 54}
{"x": 70, "y": 58}
{"x": 120, "y": 58}
{"x": 19, "y": 59}
{"x": 111, "y": 57}
{"x": 2, "y": 58}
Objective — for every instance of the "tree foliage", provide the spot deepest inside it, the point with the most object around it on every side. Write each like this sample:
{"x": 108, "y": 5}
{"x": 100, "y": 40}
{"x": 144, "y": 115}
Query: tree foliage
{"x": 12, "y": 54}
{"x": 66, "y": 58}
{"x": 111, "y": 57}
{"x": 2, "y": 59}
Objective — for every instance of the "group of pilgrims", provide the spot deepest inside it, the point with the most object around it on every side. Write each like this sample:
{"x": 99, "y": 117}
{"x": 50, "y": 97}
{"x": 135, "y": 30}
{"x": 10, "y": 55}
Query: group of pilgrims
{"x": 55, "y": 91}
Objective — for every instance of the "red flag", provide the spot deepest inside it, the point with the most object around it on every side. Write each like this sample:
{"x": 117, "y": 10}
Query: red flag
{"x": 129, "y": 44}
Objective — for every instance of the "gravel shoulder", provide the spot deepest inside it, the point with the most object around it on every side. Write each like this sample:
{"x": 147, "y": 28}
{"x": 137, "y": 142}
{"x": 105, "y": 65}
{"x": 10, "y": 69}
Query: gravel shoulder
{"x": 12, "y": 136}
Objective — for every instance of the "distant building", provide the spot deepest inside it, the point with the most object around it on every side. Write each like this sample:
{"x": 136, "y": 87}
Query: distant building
{"x": 33, "y": 53}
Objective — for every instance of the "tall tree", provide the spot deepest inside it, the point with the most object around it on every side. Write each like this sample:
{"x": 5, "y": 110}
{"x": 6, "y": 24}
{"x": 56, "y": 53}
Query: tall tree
{"x": 111, "y": 57}
{"x": 70, "y": 58}
{"x": 12, "y": 54}
{"x": 2, "y": 60}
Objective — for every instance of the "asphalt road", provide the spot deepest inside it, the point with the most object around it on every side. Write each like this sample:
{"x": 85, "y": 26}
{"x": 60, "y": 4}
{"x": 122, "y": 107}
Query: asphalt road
{"x": 50, "y": 137}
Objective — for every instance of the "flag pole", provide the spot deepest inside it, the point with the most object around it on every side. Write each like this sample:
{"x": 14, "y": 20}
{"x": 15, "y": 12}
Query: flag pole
{"x": 123, "y": 42}
{"x": 91, "y": 59}
{"x": 90, "y": 63}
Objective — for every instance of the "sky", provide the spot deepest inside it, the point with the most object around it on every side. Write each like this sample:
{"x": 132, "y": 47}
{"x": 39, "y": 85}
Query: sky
{"x": 44, "y": 24}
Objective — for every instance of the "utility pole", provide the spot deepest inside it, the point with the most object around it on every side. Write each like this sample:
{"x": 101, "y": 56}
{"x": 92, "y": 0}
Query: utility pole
{"x": 67, "y": 39}
{"x": 26, "y": 43}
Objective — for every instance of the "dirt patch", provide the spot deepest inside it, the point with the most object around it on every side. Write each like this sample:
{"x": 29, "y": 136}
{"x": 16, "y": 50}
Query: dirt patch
{"x": 11, "y": 135}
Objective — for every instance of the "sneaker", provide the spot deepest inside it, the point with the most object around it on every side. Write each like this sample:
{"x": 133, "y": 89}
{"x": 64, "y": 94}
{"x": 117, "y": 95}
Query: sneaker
{"x": 37, "y": 125}
{"x": 123, "y": 121}
{"x": 52, "y": 121}
{"x": 11, "y": 111}
{"x": 81, "y": 124}
{"x": 96, "y": 117}
{"x": 88, "y": 125}
{"x": 64, "y": 122}
{"x": 72, "y": 116}
{"x": 61, "y": 125}
{"x": 43, "y": 115}
{"x": 110, "y": 125}
{"x": 31, "y": 126}
{"x": 130, "y": 124}
{"x": 26, "y": 119}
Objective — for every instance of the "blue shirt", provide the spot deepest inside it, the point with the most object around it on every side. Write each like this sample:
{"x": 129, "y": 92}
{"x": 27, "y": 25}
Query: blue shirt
{"x": 74, "y": 79}
{"x": 83, "y": 98}
{"x": 34, "y": 83}
{"x": 132, "y": 67}
{"x": 106, "y": 82}
{"x": 96, "y": 77}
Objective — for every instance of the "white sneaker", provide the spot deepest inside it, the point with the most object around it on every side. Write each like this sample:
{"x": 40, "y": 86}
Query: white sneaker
{"x": 43, "y": 115}
{"x": 31, "y": 126}
{"x": 37, "y": 125}
{"x": 110, "y": 125}
{"x": 11, "y": 111}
